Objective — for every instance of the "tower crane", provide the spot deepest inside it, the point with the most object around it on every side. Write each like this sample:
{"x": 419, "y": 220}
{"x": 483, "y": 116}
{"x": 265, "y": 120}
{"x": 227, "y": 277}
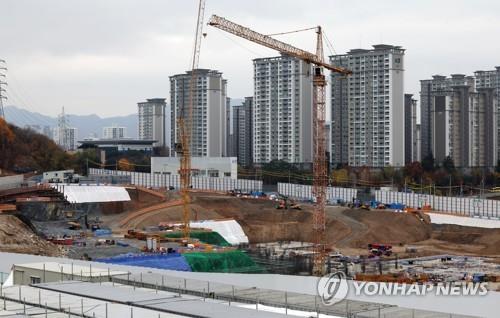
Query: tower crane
{"x": 320, "y": 177}
{"x": 184, "y": 124}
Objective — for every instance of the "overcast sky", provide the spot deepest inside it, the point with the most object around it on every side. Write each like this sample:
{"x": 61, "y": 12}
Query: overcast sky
{"x": 103, "y": 56}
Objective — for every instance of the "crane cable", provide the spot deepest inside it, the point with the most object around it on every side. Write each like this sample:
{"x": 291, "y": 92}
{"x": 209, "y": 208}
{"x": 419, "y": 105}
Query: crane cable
{"x": 295, "y": 31}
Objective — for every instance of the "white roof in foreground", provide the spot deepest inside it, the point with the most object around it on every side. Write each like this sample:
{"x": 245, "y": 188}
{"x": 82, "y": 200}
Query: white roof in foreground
{"x": 162, "y": 301}
{"x": 483, "y": 306}
{"x": 74, "y": 304}
{"x": 68, "y": 269}
{"x": 92, "y": 193}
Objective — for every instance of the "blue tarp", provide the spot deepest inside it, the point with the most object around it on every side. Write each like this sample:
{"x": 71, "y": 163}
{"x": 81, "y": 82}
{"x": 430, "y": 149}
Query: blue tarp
{"x": 396, "y": 206}
{"x": 102, "y": 232}
{"x": 173, "y": 261}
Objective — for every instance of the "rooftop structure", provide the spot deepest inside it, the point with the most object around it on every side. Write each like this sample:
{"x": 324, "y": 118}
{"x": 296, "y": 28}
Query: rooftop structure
{"x": 119, "y": 144}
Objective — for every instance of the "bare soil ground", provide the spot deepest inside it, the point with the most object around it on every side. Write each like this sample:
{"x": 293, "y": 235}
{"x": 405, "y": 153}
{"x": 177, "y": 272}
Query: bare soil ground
{"x": 16, "y": 237}
{"x": 349, "y": 230}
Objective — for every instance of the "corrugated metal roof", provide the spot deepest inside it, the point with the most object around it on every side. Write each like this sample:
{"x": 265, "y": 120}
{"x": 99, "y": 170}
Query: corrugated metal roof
{"x": 161, "y": 301}
{"x": 484, "y": 306}
{"x": 92, "y": 193}
{"x": 69, "y": 268}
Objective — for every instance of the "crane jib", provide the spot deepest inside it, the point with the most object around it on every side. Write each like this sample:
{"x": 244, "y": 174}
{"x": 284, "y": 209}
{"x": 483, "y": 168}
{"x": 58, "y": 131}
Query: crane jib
{"x": 265, "y": 40}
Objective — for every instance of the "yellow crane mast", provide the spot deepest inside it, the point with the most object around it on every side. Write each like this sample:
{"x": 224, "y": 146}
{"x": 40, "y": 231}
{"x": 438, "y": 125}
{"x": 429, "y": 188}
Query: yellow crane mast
{"x": 320, "y": 177}
{"x": 184, "y": 124}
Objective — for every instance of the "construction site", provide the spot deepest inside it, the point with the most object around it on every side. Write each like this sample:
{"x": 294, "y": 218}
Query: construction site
{"x": 236, "y": 232}
{"x": 265, "y": 235}
{"x": 154, "y": 244}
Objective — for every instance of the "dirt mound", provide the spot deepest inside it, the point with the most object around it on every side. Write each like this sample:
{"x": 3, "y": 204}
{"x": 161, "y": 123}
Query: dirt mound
{"x": 16, "y": 237}
{"x": 388, "y": 227}
{"x": 348, "y": 229}
{"x": 486, "y": 240}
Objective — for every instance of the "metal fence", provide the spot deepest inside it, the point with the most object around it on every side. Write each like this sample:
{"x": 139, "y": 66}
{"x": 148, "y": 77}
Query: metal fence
{"x": 157, "y": 180}
{"x": 471, "y": 207}
{"x": 304, "y": 192}
{"x": 282, "y": 301}
{"x": 454, "y": 205}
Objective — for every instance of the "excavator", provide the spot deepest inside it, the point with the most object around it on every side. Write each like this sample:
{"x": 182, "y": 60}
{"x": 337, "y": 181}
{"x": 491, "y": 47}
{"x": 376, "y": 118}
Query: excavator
{"x": 285, "y": 203}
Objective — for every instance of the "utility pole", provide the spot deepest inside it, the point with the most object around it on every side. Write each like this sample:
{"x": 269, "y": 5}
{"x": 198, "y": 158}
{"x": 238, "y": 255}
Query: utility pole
{"x": 449, "y": 194}
{"x": 2, "y": 90}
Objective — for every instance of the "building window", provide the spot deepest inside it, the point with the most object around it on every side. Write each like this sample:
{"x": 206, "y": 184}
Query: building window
{"x": 35, "y": 280}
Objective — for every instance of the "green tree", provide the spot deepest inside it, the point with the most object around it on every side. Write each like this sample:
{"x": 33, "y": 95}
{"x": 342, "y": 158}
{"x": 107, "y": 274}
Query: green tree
{"x": 428, "y": 163}
{"x": 414, "y": 170}
{"x": 449, "y": 165}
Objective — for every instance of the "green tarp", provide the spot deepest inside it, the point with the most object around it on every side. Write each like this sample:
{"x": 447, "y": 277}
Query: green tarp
{"x": 222, "y": 262}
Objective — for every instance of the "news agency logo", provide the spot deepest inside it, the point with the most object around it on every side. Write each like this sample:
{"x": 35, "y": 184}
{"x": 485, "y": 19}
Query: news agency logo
{"x": 332, "y": 288}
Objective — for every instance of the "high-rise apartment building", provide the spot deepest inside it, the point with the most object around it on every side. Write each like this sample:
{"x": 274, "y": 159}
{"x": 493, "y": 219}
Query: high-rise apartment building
{"x": 230, "y": 146}
{"x": 114, "y": 132}
{"x": 483, "y": 128}
{"x": 152, "y": 121}
{"x": 282, "y": 110}
{"x": 490, "y": 80}
{"x": 339, "y": 121}
{"x": 368, "y": 107}
{"x": 410, "y": 129}
{"x": 208, "y": 128}
{"x": 242, "y": 135}
{"x": 437, "y": 87}
{"x": 462, "y": 121}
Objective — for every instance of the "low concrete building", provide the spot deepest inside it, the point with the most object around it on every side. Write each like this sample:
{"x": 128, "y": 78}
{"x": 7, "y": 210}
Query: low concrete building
{"x": 10, "y": 182}
{"x": 217, "y": 167}
{"x": 60, "y": 176}
{"x": 35, "y": 273}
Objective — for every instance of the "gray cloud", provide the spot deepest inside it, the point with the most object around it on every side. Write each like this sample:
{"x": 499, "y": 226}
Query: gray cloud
{"x": 103, "y": 56}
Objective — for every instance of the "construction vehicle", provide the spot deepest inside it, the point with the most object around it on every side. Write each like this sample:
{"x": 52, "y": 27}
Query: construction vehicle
{"x": 74, "y": 226}
{"x": 365, "y": 206}
{"x": 285, "y": 203}
{"x": 358, "y": 204}
{"x": 379, "y": 249}
{"x": 419, "y": 214}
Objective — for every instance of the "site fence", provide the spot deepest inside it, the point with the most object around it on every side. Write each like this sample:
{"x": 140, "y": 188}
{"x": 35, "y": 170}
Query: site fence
{"x": 11, "y": 182}
{"x": 473, "y": 207}
{"x": 157, "y": 180}
{"x": 304, "y": 192}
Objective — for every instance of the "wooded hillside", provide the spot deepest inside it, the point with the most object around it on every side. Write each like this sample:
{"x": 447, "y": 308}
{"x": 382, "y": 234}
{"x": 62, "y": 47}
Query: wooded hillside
{"x": 23, "y": 150}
